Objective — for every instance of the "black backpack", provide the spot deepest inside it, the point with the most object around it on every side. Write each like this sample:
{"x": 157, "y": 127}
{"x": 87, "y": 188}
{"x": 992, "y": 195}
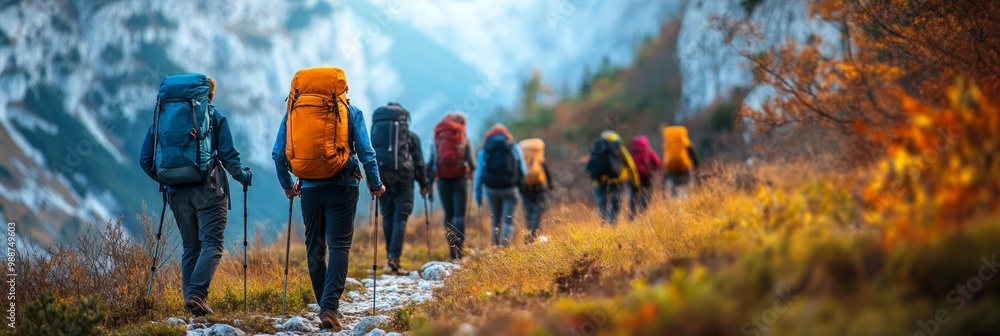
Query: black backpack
{"x": 499, "y": 168}
{"x": 605, "y": 160}
{"x": 391, "y": 141}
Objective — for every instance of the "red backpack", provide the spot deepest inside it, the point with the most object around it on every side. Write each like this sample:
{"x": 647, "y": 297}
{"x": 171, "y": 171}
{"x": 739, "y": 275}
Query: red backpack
{"x": 449, "y": 137}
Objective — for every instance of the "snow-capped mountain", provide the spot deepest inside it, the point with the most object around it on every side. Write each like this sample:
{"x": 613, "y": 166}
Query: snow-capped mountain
{"x": 78, "y": 78}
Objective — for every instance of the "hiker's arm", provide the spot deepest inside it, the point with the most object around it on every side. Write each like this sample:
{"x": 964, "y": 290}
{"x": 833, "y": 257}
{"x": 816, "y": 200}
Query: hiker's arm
{"x": 523, "y": 171}
{"x": 146, "y": 155}
{"x": 280, "y": 161}
{"x": 694, "y": 157}
{"x": 656, "y": 160}
{"x": 417, "y": 154}
{"x": 363, "y": 148}
{"x": 228, "y": 154}
{"x": 477, "y": 183}
{"x": 468, "y": 156}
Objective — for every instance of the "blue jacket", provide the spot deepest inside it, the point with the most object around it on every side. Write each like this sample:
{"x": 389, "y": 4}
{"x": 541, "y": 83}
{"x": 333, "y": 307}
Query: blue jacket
{"x": 361, "y": 150}
{"x": 480, "y": 170}
{"x": 224, "y": 151}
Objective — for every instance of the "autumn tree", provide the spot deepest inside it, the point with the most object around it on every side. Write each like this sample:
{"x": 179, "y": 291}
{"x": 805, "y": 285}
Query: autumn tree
{"x": 887, "y": 47}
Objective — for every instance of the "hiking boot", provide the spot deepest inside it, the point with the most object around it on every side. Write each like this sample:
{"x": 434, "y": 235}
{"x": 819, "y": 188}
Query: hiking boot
{"x": 394, "y": 265}
{"x": 329, "y": 320}
{"x": 197, "y": 307}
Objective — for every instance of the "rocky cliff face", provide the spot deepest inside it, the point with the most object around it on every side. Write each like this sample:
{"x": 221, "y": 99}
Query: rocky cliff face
{"x": 710, "y": 68}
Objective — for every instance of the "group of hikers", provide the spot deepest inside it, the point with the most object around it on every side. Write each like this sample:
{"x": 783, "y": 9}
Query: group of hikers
{"x": 324, "y": 142}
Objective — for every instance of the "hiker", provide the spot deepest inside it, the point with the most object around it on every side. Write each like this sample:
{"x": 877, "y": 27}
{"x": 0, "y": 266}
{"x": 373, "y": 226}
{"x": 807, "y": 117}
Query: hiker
{"x": 183, "y": 150}
{"x": 610, "y": 166}
{"x": 537, "y": 183}
{"x": 450, "y": 164}
{"x": 329, "y": 170}
{"x": 400, "y": 164}
{"x": 502, "y": 171}
{"x": 679, "y": 160}
{"x": 646, "y": 164}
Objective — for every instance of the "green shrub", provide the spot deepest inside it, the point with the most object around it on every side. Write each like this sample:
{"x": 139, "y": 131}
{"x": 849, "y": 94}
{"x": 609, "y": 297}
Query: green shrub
{"x": 46, "y": 317}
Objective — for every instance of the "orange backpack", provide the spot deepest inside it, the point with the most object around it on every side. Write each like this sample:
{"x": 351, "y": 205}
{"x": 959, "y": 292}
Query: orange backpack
{"x": 675, "y": 150}
{"x": 533, "y": 151}
{"x": 316, "y": 130}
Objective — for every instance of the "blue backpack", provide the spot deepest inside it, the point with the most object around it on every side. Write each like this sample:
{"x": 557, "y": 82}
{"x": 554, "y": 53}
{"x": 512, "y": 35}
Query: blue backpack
{"x": 182, "y": 125}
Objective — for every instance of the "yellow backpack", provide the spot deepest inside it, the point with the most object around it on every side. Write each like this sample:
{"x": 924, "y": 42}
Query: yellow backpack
{"x": 675, "y": 150}
{"x": 533, "y": 151}
{"x": 316, "y": 130}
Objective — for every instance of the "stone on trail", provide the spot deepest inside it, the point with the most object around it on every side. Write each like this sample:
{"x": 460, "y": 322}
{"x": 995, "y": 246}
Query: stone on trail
{"x": 424, "y": 286}
{"x": 174, "y": 321}
{"x": 314, "y": 307}
{"x": 297, "y": 324}
{"x": 414, "y": 275}
{"x": 394, "y": 334}
{"x": 436, "y": 272}
{"x": 376, "y": 332}
{"x": 367, "y": 324}
{"x": 446, "y": 265}
{"x": 217, "y": 330}
{"x": 353, "y": 284}
{"x": 465, "y": 329}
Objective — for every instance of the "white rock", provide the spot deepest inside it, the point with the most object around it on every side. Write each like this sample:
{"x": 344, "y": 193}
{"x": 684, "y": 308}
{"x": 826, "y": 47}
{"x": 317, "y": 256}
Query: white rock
{"x": 436, "y": 272}
{"x": 217, "y": 330}
{"x": 314, "y": 307}
{"x": 297, "y": 323}
{"x": 446, "y": 265}
{"x": 465, "y": 329}
{"x": 424, "y": 286}
{"x": 367, "y": 324}
{"x": 354, "y": 295}
{"x": 376, "y": 332}
{"x": 414, "y": 275}
{"x": 394, "y": 334}
{"x": 174, "y": 321}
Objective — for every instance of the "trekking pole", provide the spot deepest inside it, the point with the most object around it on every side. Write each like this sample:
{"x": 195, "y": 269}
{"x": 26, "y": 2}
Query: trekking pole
{"x": 156, "y": 248}
{"x": 375, "y": 259}
{"x": 245, "y": 307}
{"x": 288, "y": 243}
{"x": 427, "y": 221}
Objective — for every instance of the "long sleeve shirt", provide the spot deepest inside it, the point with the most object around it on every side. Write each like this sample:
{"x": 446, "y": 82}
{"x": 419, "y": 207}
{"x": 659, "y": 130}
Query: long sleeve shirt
{"x": 224, "y": 150}
{"x": 362, "y": 156}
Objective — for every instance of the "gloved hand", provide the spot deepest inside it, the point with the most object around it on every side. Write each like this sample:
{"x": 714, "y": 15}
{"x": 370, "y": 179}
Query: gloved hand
{"x": 247, "y": 177}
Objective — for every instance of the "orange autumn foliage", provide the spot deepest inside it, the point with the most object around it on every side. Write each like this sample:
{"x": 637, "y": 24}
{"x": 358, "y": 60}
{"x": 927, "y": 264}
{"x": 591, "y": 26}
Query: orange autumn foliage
{"x": 942, "y": 168}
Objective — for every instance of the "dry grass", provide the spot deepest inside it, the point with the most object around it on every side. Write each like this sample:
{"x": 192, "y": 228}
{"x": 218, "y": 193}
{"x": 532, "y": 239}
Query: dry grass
{"x": 524, "y": 277}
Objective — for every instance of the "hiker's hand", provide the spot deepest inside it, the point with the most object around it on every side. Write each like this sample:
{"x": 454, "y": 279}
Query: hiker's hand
{"x": 423, "y": 191}
{"x": 379, "y": 192}
{"x": 247, "y": 177}
{"x": 295, "y": 191}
